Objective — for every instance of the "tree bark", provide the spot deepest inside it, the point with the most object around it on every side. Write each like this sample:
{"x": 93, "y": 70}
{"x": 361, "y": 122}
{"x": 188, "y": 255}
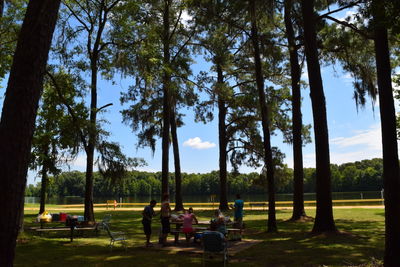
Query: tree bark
{"x": 295, "y": 70}
{"x": 1, "y": 8}
{"x": 177, "y": 162}
{"x": 391, "y": 179}
{"x": 166, "y": 101}
{"x": 43, "y": 189}
{"x": 17, "y": 123}
{"x": 89, "y": 211}
{"x": 324, "y": 221}
{"x": 223, "y": 173}
{"x": 272, "y": 227}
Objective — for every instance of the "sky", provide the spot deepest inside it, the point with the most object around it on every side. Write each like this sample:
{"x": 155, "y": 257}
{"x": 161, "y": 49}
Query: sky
{"x": 353, "y": 134}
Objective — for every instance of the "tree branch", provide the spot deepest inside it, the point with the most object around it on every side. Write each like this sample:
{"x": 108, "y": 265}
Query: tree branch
{"x": 351, "y": 26}
{"x": 69, "y": 108}
{"x": 103, "y": 107}
{"x": 339, "y": 9}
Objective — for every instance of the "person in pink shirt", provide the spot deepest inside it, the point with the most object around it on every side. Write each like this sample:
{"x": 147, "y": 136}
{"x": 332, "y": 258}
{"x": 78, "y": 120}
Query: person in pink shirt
{"x": 188, "y": 219}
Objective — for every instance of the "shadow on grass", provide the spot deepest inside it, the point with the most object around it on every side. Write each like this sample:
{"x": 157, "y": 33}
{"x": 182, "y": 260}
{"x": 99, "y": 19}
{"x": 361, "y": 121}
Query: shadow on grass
{"x": 294, "y": 245}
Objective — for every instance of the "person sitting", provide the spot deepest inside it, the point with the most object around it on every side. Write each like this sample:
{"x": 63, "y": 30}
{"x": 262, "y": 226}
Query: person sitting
{"x": 218, "y": 222}
{"x": 188, "y": 219}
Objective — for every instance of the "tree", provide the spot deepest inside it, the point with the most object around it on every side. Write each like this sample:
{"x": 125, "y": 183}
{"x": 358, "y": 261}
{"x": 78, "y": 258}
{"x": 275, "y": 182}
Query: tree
{"x": 391, "y": 174}
{"x": 218, "y": 39}
{"x": 55, "y": 140}
{"x": 85, "y": 25}
{"x": 324, "y": 221}
{"x": 161, "y": 66}
{"x": 18, "y": 116}
{"x": 295, "y": 71}
{"x": 272, "y": 227}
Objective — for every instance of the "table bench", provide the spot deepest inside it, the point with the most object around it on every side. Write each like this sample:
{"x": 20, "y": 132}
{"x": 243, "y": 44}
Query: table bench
{"x": 263, "y": 205}
{"x": 71, "y": 229}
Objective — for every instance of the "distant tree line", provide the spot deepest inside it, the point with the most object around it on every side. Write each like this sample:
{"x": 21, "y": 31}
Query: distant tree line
{"x": 365, "y": 175}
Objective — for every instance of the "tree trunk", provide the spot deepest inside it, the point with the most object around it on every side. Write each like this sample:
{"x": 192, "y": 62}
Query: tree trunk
{"x": 324, "y": 216}
{"x": 295, "y": 70}
{"x": 223, "y": 174}
{"x": 21, "y": 218}
{"x": 89, "y": 212}
{"x": 391, "y": 179}
{"x": 43, "y": 189}
{"x": 166, "y": 101}
{"x": 272, "y": 227}
{"x": 1, "y": 8}
{"x": 177, "y": 162}
{"x": 17, "y": 123}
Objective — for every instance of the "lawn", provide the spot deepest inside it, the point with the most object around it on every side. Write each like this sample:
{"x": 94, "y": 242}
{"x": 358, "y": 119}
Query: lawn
{"x": 361, "y": 239}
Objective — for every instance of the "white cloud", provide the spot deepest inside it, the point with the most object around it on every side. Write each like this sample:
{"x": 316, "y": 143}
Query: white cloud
{"x": 370, "y": 138}
{"x": 79, "y": 163}
{"x": 309, "y": 160}
{"x": 198, "y": 144}
{"x": 364, "y": 144}
{"x": 185, "y": 17}
{"x": 347, "y": 76}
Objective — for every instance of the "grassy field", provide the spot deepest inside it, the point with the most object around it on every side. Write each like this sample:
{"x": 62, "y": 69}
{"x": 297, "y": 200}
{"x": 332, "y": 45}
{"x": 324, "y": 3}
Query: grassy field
{"x": 361, "y": 240}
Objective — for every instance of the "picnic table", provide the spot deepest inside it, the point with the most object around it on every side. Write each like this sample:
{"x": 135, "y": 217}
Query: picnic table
{"x": 73, "y": 228}
{"x": 200, "y": 227}
{"x": 197, "y": 229}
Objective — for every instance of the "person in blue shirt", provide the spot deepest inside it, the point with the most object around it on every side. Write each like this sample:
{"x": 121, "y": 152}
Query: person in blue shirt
{"x": 148, "y": 214}
{"x": 238, "y": 205}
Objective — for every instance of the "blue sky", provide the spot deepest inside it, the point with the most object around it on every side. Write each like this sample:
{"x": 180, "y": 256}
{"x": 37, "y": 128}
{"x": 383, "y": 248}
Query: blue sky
{"x": 353, "y": 135}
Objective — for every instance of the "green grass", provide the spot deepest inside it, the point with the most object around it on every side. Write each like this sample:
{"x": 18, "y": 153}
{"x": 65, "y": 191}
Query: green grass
{"x": 361, "y": 239}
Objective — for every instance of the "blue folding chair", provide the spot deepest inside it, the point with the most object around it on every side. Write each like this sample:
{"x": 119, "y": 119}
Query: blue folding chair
{"x": 214, "y": 243}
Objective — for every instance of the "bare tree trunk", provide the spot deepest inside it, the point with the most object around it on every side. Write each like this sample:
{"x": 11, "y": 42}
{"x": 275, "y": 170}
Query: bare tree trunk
{"x": 324, "y": 216}
{"x": 166, "y": 101}
{"x": 272, "y": 227}
{"x": 391, "y": 178}
{"x": 223, "y": 173}
{"x": 177, "y": 162}
{"x": 295, "y": 70}
{"x": 17, "y": 123}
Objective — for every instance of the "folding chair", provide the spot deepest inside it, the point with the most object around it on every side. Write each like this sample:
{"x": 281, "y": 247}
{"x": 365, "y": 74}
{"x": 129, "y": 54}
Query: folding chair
{"x": 106, "y": 220}
{"x": 214, "y": 243}
{"x": 115, "y": 236}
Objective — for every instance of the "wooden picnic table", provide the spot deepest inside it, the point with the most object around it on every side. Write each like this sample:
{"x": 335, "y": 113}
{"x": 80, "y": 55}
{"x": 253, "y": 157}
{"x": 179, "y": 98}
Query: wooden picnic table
{"x": 71, "y": 228}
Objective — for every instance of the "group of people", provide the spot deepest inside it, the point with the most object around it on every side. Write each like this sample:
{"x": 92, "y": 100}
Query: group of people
{"x": 218, "y": 223}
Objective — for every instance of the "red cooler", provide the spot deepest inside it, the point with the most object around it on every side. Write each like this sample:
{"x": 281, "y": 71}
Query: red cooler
{"x": 63, "y": 217}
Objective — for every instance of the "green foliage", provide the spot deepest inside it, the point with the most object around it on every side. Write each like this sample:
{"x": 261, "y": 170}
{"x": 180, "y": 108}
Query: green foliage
{"x": 365, "y": 175}
{"x": 355, "y": 54}
{"x": 10, "y": 23}
{"x": 146, "y": 61}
